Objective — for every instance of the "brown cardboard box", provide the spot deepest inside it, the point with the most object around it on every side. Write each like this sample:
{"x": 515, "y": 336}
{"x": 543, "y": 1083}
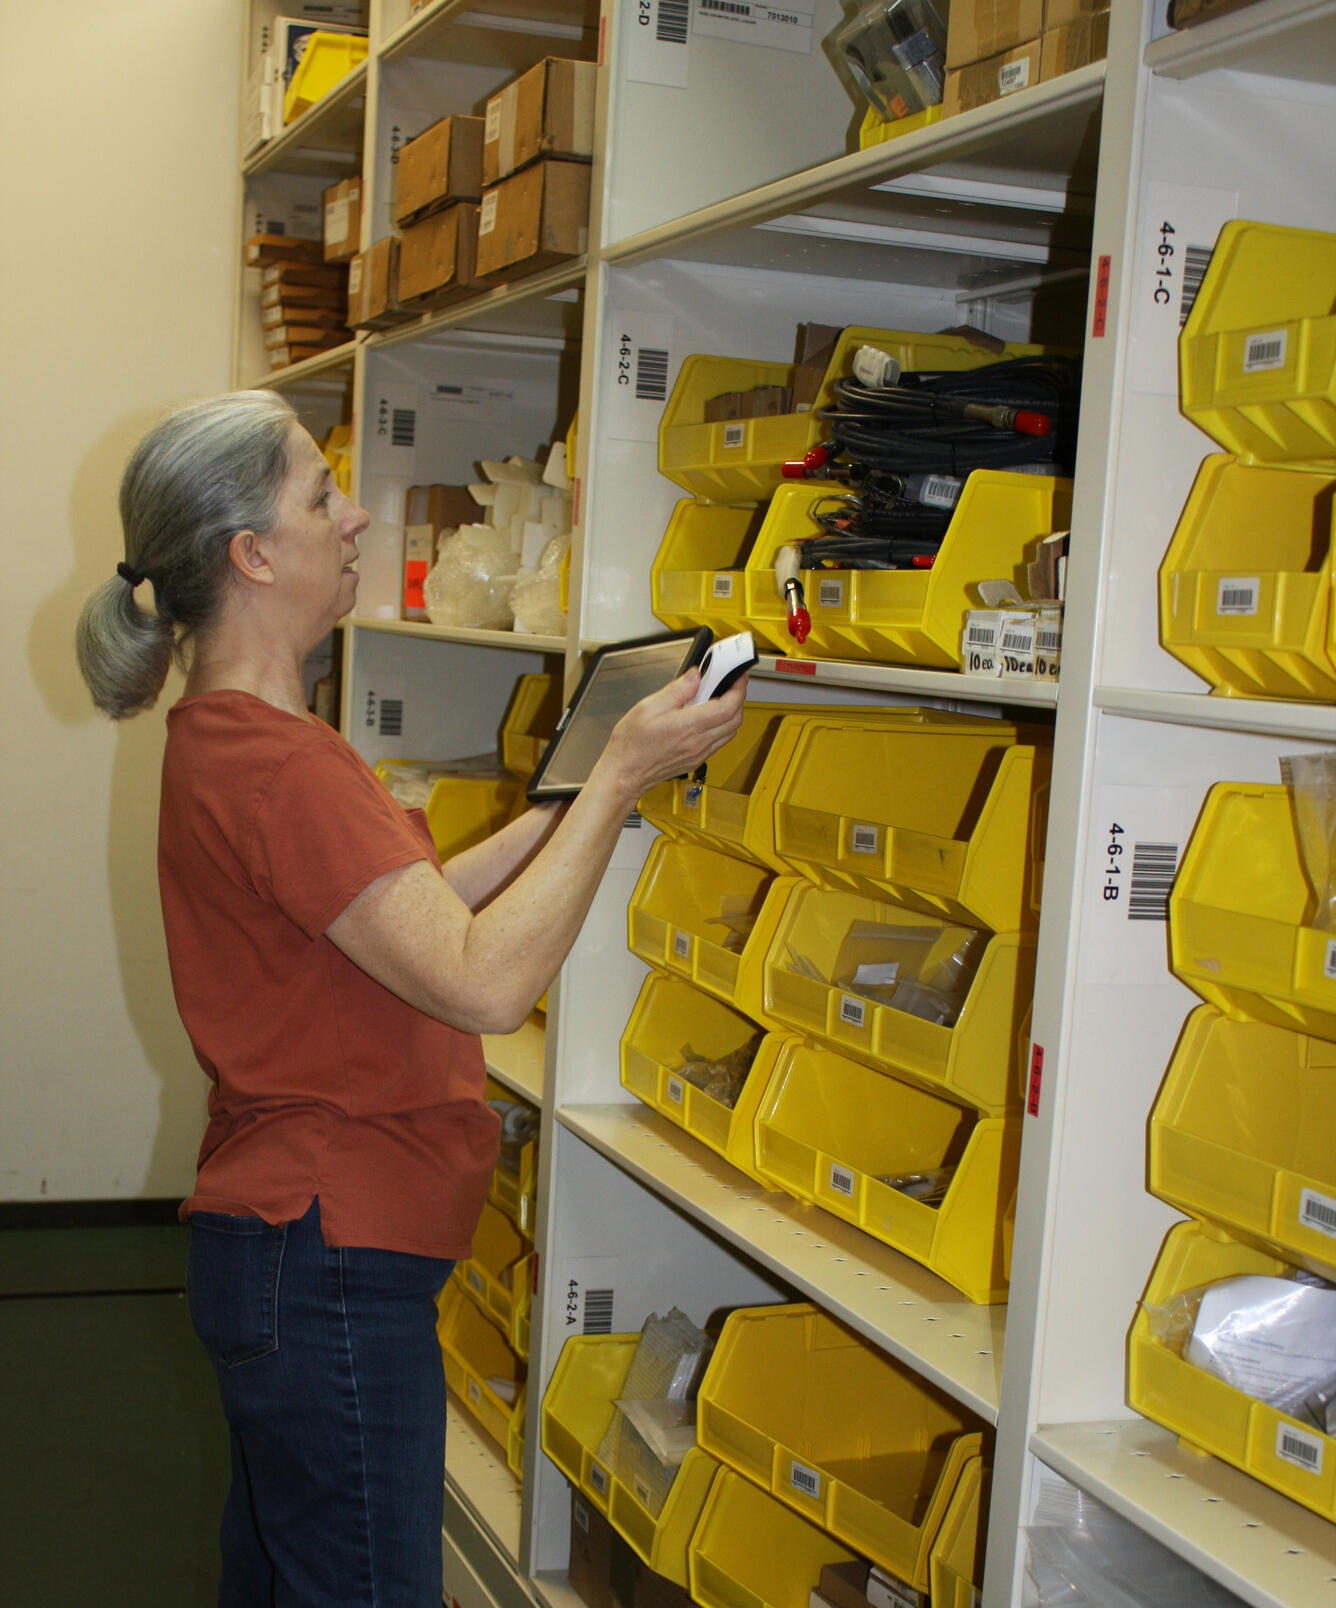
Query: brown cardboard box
{"x": 812, "y": 356}
{"x": 439, "y": 167}
{"x": 322, "y": 337}
{"x": 333, "y": 296}
{"x": 977, "y": 29}
{"x": 845, "y": 1585}
{"x": 720, "y": 409}
{"x": 654, "y": 1591}
{"x": 343, "y": 220}
{"x": 284, "y": 356}
{"x": 602, "y": 1566}
{"x": 1059, "y": 12}
{"x": 548, "y": 111}
{"x": 983, "y": 82}
{"x": 1188, "y": 13}
{"x": 264, "y": 251}
{"x": 536, "y": 217}
{"x": 373, "y": 280}
{"x": 321, "y": 317}
{"x": 1073, "y": 45}
{"x": 437, "y": 257}
{"x": 330, "y": 275}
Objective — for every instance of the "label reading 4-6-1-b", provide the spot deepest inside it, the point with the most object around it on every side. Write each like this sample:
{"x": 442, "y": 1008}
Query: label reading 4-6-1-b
{"x": 1113, "y": 870}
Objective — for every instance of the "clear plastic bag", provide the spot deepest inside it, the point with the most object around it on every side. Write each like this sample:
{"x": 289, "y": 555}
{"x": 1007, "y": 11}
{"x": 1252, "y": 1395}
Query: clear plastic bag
{"x": 722, "y": 1079}
{"x": 893, "y": 52}
{"x": 471, "y": 580}
{"x": 923, "y": 971}
{"x": 1311, "y": 780}
{"x": 536, "y": 594}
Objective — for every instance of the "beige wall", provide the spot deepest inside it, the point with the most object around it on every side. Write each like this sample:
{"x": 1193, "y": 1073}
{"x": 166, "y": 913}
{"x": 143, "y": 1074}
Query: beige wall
{"x": 118, "y": 134}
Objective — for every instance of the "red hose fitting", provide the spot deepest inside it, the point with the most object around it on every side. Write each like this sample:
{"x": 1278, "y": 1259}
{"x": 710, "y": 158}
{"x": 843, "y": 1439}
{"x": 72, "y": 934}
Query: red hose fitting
{"x": 923, "y": 560}
{"x": 1032, "y": 424}
{"x": 799, "y": 620}
{"x": 794, "y": 469}
{"x": 816, "y": 457}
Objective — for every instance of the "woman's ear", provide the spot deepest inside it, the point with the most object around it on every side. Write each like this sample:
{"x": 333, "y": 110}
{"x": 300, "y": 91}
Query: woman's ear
{"x": 248, "y": 556}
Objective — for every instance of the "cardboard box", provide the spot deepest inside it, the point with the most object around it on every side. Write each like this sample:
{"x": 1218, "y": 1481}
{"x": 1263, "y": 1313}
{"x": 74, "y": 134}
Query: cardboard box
{"x": 327, "y": 276}
{"x": 428, "y": 510}
{"x": 548, "y": 111}
{"x": 1073, "y": 45}
{"x": 654, "y": 1591}
{"x": 978, "y": 29}
{"x": 439, "y": 167}
{"x": 1057, "y": 13}
{"x": 319, "y": 336}
{"x": 343, "y": 220}
{"x": 812, "y": 357}
{"x": 373, "y": 286}
{"x": 535, "y": 218}
{"x": 1188, "y": 13}
{"x": 987, "y": 81}
{"x": 321, "y": 317}
{"x": 266, "y": 250}
{"x": 285, "y": 356}
{"x": 858, "y": 1585}
{"x": 602, "y": 1567}
{"x": 437, "y": 259}
{"x": 332, "y": 298}
{"x": 762, "y": 402}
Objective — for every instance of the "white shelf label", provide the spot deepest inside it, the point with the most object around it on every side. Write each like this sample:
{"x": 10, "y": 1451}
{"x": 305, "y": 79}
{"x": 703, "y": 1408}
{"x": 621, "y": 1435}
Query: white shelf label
{"x": 580, "y": 1513}
{"x": 480, "y": 404}
{"x": 394, "y": 433}
{"x": 640, "y": 373}
{"x": 804, "y": 1479}
{"x": 476, "y": 1280}
{"x": 1264, "y": 352}
{"x": 475, "y": 1392}
{"x": 658, "y": 41}
{"x": 491, "y": 132}
{"x": 487, "y": 216}
{"x": 753, "y": 22}
{"x": 830, "y": 594}
{"x": 865, "y": 839}
{"x": 681, "y": 944}
{"x": 1177, "y": 232}
{"x": 1297, "y": 1446}
{"x": 1136, "y": 842}
{"x": 1317, "y": 1211}
{"x": 734, "y": 435}
{"x": 598, "y": 1478}
{"x": 643, "y": 1493}
{"x": 676, "y": 1091}
{"x": 1237, "y": 595}
{"x": 852, "y": 1010}
{"x": 841, "y": 1180}
{"x": 722, "y": 586}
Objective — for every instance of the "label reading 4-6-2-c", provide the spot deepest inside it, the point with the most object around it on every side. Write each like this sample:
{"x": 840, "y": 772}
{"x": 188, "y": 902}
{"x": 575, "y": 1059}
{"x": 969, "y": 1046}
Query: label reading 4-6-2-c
{"x": 1113, "y": 870}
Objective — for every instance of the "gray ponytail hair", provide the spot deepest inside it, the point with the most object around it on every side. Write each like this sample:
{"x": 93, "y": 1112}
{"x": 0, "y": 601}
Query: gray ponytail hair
{"x": 203, "y": 473}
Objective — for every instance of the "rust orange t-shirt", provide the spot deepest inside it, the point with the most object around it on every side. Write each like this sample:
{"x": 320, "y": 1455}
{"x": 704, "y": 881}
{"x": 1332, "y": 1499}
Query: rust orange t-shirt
{"x": 323, "y": 1082}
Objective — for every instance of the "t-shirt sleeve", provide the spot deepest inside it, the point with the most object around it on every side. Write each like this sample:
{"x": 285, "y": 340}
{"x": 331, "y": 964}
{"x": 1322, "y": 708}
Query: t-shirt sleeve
{"x": 324, "y": 830}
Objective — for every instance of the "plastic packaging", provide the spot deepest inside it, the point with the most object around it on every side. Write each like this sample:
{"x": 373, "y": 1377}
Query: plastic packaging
{"x": 1311, "y": 780}
{"x": 519, "y": 1125}
{"x": 471, "y": 580}
{"x": 535, "y": 597}
{"x": 721, "y": 1077}
{"x": 907, "y": 976}
{"x": 894, "y": 53}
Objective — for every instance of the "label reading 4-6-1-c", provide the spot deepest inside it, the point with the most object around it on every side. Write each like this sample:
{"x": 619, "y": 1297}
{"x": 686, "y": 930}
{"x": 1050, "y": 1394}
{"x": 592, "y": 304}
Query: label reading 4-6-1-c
{"x": 1113, "y": 870}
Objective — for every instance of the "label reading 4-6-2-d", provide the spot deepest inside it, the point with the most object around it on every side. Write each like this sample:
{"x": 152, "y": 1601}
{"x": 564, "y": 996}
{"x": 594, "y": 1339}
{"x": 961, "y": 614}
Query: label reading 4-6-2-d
{"x": 1113, "y": 870}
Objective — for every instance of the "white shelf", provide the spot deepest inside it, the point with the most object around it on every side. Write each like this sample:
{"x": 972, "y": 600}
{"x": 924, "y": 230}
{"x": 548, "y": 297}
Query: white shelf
{"x": 895, "y": 1303}
{"x": 497, "y": 33}
{"x": 545, "y": 304}
{"x": 334, "y": 365}
{"x": 480, "y": 1481}
{"x": 518, "y": 641}
{"x": 557, "y": 1591}
{"x": 516, "y": 1059}
{"x": 1259, "y": 1544}
{"x": 325, "y": 142}
{"x": 906, "y": 679}
{"x": 1293, "y": 39}
{"x": 1270, "y": 717}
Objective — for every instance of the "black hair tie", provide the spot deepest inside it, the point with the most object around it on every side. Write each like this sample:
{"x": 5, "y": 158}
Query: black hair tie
{"x": 131, "y": 575}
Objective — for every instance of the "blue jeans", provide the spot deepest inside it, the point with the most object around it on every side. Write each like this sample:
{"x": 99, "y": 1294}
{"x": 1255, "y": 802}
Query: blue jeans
{"x": 334, "y": 1392}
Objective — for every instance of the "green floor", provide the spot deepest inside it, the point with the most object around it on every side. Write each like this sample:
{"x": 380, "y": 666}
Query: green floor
{"x": 115, "y": 1452}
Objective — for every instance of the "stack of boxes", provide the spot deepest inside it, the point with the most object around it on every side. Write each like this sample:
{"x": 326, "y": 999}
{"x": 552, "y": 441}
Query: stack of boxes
{"x": 303, "y": 298}
{"x": 438, "y": 185}
{"x": 996, "y": 47}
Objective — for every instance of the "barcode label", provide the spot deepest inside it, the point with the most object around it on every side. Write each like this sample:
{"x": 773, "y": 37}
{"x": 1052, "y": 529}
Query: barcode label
{"x": 1018, "y": 640}
{"x": 981, "y": 635}
{"x": 642, "y": 1491}
{"x": 852, "y": 1010}
{"x": 676, "y": 1091}
{"x": 723, "y": 586}
{"x": 681, "y": 944}
{"x": 1329, "y": 960}
{"x": 651, "y": 374}
{"x": 939, "y": 491}
{"x": 580, "y": 1513}
{"x": 487, "y": 217}
{"x": 391, "y": 717}
{"x": 1317, "y": 1211}
{"x": 734, "y": 435}
{"x": 1297, "y": 1446}
{"x": 671, "y": 22}
{"x": 403, "y": 427}
{"x": 727, "y": 8}
{"x": 1048, "y": 639}
{"x": 598, "y": 1478}
{"x": 830, "y": 594}
{"x": 1154, "y": 866}
{"x": 1013, "y": 75}
{"x": 804, "y": 1479}
{"x": 865, "y": 839}
{"x": 1263, "y": 352}
{"x": 492, "y": 129}
{"x": 476, "y": 1280}
{"x": 841, "y": 1179}
{"x": 1237, "y": 596}
{"x": 475, "y": 1391}
{"x": 1195, "y": 262}
{"x": 597, "y": 1312}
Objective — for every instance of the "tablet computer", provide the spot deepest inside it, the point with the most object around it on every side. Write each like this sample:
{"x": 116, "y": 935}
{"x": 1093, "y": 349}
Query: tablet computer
{"x": 617, "y": 677}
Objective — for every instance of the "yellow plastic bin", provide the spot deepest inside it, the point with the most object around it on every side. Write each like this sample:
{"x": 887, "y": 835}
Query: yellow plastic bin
{"x": 498, "y": 1276}
{"x": 706, "y": 917}
{"x": 515, "y": 1436}
{"x": 475, "y": 1353}
{"x": 670, "y": 1016}
{"x": 751, "y": 1552}
{"x": 855, "y": 1442}
{"x": 832, "y": 1131}
{"x": 823, "y": 935}
{"x": 1237, "y": 915}
{"x": 942, "y": 813}
{"x": 577, "y": 1410}
{"x": 910, "y": 616}
{"x": 1244, "y": 1133}
{"x": 515, "y": 1193}
{"x": 325, "y": 63}
{"x": 955, "y": 1570}
{"x": 740, "y": 461}
{"x": 697, "y": 578}
{"x": 467, "y": 807}
{"x": 1257, "y": 357}
{"x": 1245, "y": 588}
{"x": 1278, "y": 1450}
{"x": 531, "y": 717}
{"x": 875, "y": 130}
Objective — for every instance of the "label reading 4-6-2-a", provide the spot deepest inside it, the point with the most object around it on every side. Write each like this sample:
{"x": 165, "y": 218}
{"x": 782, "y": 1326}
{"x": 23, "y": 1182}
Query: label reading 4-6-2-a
{"x": 1113, "y": 870}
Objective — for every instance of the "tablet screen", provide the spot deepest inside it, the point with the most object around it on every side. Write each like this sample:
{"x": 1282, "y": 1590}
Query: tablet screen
{"x": 619, "y": 677}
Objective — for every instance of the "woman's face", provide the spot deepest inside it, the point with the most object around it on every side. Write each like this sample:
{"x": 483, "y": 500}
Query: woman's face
{"x": 315, "y": 536}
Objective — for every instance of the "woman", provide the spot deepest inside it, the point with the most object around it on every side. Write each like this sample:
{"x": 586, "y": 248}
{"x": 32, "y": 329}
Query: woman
{"x": 333, "y": 979}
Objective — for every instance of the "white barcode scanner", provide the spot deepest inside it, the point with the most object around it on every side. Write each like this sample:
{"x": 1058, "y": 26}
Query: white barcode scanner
{"x": 723, "y": 664}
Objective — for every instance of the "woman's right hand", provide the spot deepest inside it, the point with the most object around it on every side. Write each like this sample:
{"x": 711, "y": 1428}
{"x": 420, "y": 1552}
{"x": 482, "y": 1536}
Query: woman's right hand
{"x": 666, "y": 735}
